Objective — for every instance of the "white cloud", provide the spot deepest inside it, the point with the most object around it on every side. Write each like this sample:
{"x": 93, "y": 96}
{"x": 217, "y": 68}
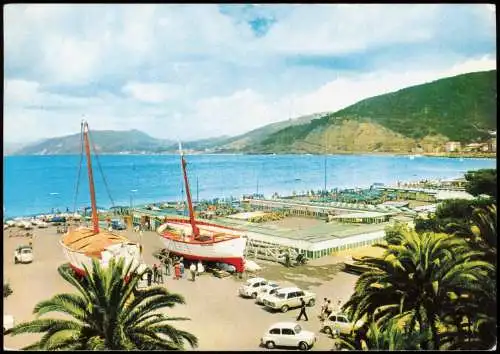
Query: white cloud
{"x": 325, "y": 29}
{"x": 196, "y": 72}
{"x": 153, "y": 93}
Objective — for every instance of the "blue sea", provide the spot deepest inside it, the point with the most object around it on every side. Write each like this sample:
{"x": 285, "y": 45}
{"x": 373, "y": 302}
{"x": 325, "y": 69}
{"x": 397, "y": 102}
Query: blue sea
{"x": 38, "y": 184}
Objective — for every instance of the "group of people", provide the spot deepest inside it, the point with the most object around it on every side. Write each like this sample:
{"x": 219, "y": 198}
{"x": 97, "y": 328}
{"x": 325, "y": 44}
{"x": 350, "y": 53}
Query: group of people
{"x": 327, "y": 308}
{"x": 179, "y": 270}
{"x": 155, "y": 274}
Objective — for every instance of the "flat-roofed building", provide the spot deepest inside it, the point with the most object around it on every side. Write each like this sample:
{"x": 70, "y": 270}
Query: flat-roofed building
{"x": 453, "y": 146}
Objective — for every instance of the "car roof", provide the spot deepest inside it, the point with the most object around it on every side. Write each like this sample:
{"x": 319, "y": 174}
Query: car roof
{"x": 284, "y": 325}
{"x": 256, "y": 279}
{"x": 287, "y": 290}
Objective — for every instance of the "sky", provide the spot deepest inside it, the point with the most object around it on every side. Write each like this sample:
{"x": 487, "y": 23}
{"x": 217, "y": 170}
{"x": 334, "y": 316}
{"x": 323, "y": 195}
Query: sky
{"x": 206, "y": 70}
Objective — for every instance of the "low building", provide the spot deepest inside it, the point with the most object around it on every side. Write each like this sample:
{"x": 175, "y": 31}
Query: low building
{"x": 362, "y": 218}
{"x": 313, "y": 238}
{"x": 473, "y": 147}
{"x": 453, "y": 146}
{"x": 493, "y": 144}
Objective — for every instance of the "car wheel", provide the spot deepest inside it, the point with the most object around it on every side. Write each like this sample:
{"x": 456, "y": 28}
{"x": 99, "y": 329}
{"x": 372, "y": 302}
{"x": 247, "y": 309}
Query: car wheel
{"x": 15, "y": 260}
{"x": 270, "y": 345}
{"x": 284, "y": 308}
{"x": 303, "y": 346}
{"x": 254, "y": 295}
{"x": 328, "y": 330}
{"x": 311, "y": 303}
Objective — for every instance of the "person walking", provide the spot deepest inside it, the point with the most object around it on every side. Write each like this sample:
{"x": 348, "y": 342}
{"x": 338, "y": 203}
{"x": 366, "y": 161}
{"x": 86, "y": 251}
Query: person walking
{"x": 302, "y": 310}
{"x": 150, "y": 276}
{"x": 177, "y": 271}
{"x": 328, "y": 310}
{"x": 159, "y": 273}
{"x": 167, "y": 265}
{"x": 323, "y": 308}
{"x": 338, "y": 307}
{"x": 155, "y": 273}
{"x": 192, "y": 270}
{"x": 181, "y": 267}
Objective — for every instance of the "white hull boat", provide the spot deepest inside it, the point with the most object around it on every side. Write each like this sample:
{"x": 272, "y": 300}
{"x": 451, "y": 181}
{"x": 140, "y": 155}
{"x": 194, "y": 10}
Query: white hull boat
{"x": 81, "y": 245}
{"x": 202, "y": 241}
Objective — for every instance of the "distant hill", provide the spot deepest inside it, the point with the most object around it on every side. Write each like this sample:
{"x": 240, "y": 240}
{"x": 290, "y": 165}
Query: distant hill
{"x": 460, "y": 108}
{"x": 255, "y": 137}
{"x": 419, "y": 118}
{"x": 105, "y": 141}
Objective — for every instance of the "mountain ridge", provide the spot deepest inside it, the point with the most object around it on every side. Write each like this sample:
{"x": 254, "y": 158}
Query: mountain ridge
{"x": 417, "y": 118}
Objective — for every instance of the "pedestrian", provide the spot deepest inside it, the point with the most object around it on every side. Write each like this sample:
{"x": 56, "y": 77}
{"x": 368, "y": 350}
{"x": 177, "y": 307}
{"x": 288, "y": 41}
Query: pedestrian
{"x": 287, "y": 259}
{"x": 323, "y": 308}
{"x": 328, "y": 310}
{"x": 338, "y": 307}
{"x": 159, "y": 275}
{"x": 167, "y": 265}
{"x": 200, "y": 269}
{"x": 302, "y": 309}
{"x": 155, "y": 273}
{"x": 181, "y": 267}
{"x": 192, "y": 269}
{"x": 177, "y": 270}
{"x": 150, "y": 276}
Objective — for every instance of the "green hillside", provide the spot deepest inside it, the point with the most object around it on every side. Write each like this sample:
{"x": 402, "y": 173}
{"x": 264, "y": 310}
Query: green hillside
{"x": 257, "y": 136}
{"x": 460, "y": 108}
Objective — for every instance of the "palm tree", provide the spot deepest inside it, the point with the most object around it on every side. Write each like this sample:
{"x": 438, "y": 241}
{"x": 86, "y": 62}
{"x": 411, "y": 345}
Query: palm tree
{"x": 418, "y": 281}
{"x": 107, "y": 313}
{"x": 390, "y": 337}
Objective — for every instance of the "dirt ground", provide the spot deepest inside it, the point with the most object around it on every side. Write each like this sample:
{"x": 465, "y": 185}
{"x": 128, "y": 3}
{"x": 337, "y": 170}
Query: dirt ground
{"x": 218, "y": 316}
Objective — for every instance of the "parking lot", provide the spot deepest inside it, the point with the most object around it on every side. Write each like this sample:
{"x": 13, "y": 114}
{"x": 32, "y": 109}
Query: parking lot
{"x": 219, "y": 317}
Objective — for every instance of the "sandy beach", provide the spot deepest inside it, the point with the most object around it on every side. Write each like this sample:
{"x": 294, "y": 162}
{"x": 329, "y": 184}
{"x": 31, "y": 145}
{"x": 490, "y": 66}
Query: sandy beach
{"x": 219, "y": 317}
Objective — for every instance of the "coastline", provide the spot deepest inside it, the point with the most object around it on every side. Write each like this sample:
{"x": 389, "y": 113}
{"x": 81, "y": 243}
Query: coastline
{"x": 123, "y": 199}
{"x": 475, "y": 155}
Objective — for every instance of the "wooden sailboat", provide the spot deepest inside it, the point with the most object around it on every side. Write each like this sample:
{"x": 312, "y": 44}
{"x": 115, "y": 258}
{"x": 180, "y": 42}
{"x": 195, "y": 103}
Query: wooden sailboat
{"x": 81, "y": 245}
{"x": 197, "y": 240}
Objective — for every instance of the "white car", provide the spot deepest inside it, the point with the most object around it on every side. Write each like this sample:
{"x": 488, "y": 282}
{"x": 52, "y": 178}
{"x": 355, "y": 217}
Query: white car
{"x": 23, "y": 254}
{"x": 252, "y": 287}
{"x": 338, "y": 323}
{"x": 287, "y": 298}
{"x": 268, "y": 290}
{"x": 288, "y": 334}
{"x": 8, "y": 322}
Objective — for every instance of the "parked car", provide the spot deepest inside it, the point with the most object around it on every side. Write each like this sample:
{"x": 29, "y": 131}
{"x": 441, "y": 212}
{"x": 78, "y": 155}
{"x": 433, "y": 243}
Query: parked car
{"x": 8, "y": 322}
{"x": 338, "y": 323}
{"x": 287, "y": 298}
{"x": 225, "y": 267}
{"x": 252, "y": 287}
{"x": 267, "y": 290}
{"x": 23, "y": 254}
{"x": 288, "y": 334}
{"x": 118, "y": 225}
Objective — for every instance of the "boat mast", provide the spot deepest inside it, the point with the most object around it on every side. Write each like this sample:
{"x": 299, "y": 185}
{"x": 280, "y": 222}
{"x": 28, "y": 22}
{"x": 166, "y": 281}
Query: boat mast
{"x": 196, "y": 231}
{"x": 95, "y": 217}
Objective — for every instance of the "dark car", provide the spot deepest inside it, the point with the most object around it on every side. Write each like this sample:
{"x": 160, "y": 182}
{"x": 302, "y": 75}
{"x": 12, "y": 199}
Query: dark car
{"x": 118, "y": 225}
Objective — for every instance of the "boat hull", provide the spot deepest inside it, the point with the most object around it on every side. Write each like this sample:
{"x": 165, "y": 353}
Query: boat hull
{"x": 228, "y": 251}
{"x": 79, "y": 260}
